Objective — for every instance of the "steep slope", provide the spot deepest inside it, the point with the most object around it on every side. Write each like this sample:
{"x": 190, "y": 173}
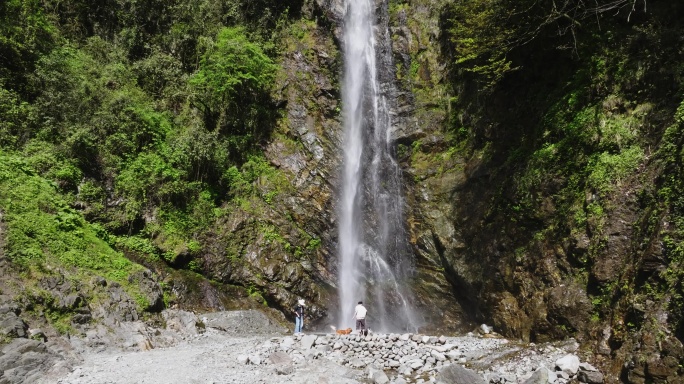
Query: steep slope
{"x": 557, "y": 179}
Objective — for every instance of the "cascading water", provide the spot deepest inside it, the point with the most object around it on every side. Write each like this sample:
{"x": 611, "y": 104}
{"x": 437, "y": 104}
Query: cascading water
{"x": 375, "y": 258}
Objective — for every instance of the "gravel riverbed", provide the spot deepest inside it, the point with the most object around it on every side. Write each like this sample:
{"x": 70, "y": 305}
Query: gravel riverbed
{"x": 244, "y": 347}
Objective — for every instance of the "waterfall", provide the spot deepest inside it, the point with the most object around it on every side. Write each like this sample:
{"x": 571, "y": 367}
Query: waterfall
{"x": 375, "y": 259}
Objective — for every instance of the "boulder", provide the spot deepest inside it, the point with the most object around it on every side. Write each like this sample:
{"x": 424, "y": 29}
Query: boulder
{"x": 24, "y": 360}
{"x": 287, "y": 343}
{"x": 308, "y": 341}
{"x": 590, "y": 377}
{"x": 377, "y": 376}
{"x": 150, "y": 290}
{"x": 568, "y": 364}
{"x": 540, "y": 376}
{"x": 456, "y": 374}
{"x": 12, "y": 325}
{"x": 438, "y": 355}
{"x": 183, "y": 322}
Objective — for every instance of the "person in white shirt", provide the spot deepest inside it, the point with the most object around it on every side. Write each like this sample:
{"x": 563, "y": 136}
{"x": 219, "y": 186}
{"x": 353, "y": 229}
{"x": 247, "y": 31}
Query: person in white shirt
{"x": 360, "y": 317}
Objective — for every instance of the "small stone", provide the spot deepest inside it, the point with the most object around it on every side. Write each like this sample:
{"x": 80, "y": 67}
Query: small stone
{"x": 587, "y": 367}
{"x": 569, "y": 364}
{"x": 438, "y": 356}
{"x": 279, "y": 358}
{"x": 284, "y": 369}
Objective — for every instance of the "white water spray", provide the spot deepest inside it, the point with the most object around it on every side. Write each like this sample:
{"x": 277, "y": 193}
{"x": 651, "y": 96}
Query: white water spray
{"x": 375, "y": 257}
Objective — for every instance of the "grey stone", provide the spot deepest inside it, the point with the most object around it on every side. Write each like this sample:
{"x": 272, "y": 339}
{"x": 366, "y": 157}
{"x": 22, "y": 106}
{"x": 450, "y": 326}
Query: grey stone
{"x": 284, "y": 369}
{"x": 405, "y": 370}
{"x": 569, "y": 364}
{"x": 357, "y": 363}
{"x": 279, "y": 358}
{"x": 9, "y": 360}
{"x": 37, "y": 334}
{"x": 243, "y": 359}
{"x": 590, "y": 377}
{"x": 377, "y": 376}
{"x": 71, "y": 302}
{"x": 255, "y": 359}
{"x": 587, "y": 367}
{"x": 540, "y": 376}
{"x": 438, "y": 356}
{"x": 24, "y": 346}
{"x": 308, "y": 341}
{"x": 287, "y": 343}
{"x": 12, "y": 325}
{"x": 456, "y": 374}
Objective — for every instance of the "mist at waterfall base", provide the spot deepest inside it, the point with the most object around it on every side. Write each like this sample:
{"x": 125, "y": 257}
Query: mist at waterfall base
{"x": 375, "y": 259}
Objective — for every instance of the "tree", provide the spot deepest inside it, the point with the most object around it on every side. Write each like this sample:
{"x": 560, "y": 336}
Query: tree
{"x": 231, "y": 87}
{"x": 25, "y": 34}
{"x": 482, "y": 33}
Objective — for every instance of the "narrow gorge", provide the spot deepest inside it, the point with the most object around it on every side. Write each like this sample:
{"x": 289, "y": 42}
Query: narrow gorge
{"x": 451, "y": 163}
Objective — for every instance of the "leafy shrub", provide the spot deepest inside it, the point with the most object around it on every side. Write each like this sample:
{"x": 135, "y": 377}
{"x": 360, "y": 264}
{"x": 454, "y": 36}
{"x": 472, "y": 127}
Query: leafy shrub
{"x": 232, "y": 84}
{"x": 43, "y": 229}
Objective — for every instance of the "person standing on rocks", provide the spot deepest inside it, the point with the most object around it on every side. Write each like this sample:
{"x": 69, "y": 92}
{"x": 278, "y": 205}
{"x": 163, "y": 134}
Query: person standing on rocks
{"x": 360, "y": 317}
{"x": 299, "y": 316}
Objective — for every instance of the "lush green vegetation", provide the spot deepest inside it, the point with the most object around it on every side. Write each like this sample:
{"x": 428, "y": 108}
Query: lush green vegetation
{"x": 129, "y": 128}
{"x": 569, "y": 104}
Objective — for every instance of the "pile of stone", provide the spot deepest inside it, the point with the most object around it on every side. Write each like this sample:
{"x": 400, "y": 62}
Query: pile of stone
{"x": 567, "y": 369}
{"x": 402, "y": 358}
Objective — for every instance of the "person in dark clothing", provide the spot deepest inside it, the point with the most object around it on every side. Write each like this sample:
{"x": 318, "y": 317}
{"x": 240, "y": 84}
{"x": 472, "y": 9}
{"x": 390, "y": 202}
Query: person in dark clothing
{"x": 299, "y": 316}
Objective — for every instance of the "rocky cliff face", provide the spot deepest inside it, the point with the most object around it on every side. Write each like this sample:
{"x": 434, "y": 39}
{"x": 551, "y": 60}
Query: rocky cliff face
{"x": 546, "y": 270}
{"x": 534, "y": 255}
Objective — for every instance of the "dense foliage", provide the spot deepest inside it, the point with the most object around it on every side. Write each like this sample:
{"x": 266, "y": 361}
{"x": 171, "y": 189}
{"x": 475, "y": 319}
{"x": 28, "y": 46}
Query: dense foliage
{"x": 126, "y": 125}
{"x": 576, "y": 106}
